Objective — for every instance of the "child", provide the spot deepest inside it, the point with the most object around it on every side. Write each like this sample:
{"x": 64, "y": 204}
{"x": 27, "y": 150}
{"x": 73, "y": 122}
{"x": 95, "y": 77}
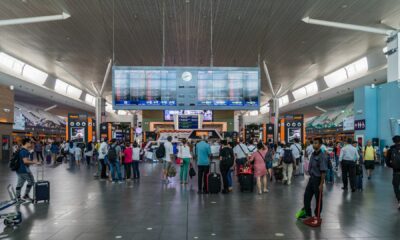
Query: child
{"x": 78, "y": 155}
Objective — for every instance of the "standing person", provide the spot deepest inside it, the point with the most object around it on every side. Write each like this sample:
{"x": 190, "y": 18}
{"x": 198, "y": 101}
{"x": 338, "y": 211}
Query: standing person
{"x": 348, "y": 158}
{"x": 24, "y": 174}
{"x": 297, "y": 152}
{"x": 260, "y": 171}
{"x": 318, "y": 168}
{"x": 186, "y": 156}
{"x": 215, "y": 150}
{"x": 103, "y": 150}
{"x": 136, "y": 152}
{"x": 251, "y": 147}
{"x": 71, "y": 152}
{"x": 369, "y": 156}
{"x": 226, "y": 156}
{"x": 169, "y": 155}
{"x": 385, "y": 155}
{"x": 232, "y": 169}
{"x": 337, "y": 154}
{"x": 114, "y": 158}
{"x": 54, "y": 152}
{"x": 89, "y": 153}
{"x": 39, "y": 151}
{"x": 288, "y": 161}
{"x": 241, "y": 153}
{"x": 128, "y": 159}
{"x": 203, "y": 153}
{"x": 393, "y": 161}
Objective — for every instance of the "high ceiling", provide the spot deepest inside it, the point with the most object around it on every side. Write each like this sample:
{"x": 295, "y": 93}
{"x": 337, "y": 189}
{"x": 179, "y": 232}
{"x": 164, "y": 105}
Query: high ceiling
{"x": 77, "y": 49}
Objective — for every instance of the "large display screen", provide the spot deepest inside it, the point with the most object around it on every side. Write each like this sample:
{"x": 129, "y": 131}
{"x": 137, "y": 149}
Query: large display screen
{"x": 207, "y": 114}
{"x": 188, "y": 121}
{"x": 77, "y": 134}
{"x": 186, "y": 87}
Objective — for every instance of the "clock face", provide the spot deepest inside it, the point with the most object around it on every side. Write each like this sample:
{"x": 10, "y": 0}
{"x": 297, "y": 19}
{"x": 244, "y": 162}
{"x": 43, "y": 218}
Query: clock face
{"x": 186, "y": 76}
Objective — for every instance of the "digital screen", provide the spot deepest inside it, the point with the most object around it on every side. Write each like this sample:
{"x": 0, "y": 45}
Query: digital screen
{"x": 207, "y": 114}
{"x": 78, "y": 134}
{"x": 188, "y": 121}
{"x": 294, "y": 133}
{"x": 186, "y": 88}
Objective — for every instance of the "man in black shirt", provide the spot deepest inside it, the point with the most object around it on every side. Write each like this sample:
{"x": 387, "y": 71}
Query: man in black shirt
{"x": 226, "y": 156}
{"x": 393, "y": 161}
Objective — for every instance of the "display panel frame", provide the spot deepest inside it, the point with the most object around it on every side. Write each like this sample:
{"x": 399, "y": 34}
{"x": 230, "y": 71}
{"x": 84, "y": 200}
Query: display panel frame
{"x": 186, "y": 112}
{"x": 186, "y": 89}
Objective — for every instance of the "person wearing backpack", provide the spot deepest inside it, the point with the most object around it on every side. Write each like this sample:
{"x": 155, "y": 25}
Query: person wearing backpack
{"x": 260, "y": 170}
{"x": 288, "y": 162}
{"x": 20, "y": 163}
{"x": 114, "y": 158}
{"x": 226, "y": 158}
{"x": 393, "y": 161}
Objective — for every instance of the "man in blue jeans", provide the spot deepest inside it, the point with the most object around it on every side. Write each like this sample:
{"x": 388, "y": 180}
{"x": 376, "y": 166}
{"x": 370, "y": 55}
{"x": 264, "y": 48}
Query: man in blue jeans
{"x": 203, "y": 152}
{"x": 23, "y": 172}
{"x": 114, "y": 158}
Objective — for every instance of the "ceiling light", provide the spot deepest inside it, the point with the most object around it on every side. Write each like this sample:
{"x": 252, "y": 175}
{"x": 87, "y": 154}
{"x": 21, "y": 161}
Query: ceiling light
{"x": 17, "y": 21}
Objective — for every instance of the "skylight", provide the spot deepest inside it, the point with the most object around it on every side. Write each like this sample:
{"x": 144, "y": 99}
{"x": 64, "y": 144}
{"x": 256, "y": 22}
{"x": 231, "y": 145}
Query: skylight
{"x": 66, "y": 89}
{"x": 283, "y": 101}
{"x": 34, "y": 75}
{"x": 73, "y": 92}
{"x": 89, "y": 99}
{"x": 61, "y": 86}
{"x": 336, "y": 78}
{"x": 264, "y": 109}
{"x": 311, "y": 88}
{"x": 344, "y": 74}
{"x": 300, "y": 93}
{"x": 11, "y": 63}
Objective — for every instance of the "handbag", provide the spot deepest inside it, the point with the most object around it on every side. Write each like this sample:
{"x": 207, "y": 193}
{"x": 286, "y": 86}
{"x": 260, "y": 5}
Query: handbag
{"x": 192, "y": 172}
{"x": 178, "y": 160}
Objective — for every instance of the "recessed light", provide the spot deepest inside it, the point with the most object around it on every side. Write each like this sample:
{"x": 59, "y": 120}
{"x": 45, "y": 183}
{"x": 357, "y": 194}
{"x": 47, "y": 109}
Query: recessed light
{"x": 344, "y": 6}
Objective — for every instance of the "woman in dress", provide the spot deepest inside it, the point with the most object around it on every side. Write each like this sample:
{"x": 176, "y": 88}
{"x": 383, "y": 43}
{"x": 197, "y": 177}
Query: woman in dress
{"x": 260, "y": 171}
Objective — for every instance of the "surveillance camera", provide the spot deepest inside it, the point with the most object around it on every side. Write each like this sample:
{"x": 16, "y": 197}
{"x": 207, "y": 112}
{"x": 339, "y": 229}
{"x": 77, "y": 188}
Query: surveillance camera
{"x": 11, "y": 87}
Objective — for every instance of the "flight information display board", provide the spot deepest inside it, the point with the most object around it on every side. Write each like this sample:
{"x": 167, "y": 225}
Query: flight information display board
{"x": 188, "y": 121}
{"x": 190, "y": 88}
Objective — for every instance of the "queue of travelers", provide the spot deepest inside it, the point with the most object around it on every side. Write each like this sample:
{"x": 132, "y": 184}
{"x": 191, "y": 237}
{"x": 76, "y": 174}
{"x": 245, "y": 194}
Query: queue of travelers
{"x": 119, "y": 162}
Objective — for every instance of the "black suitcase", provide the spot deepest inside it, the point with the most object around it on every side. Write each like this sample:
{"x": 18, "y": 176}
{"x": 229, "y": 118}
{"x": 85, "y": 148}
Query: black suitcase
{"x": 213, "y": 180}
{"x": 246, "y": 182}
{"x": 41, "y": 189}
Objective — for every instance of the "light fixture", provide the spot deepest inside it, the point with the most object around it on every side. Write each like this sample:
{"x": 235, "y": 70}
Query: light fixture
{"x": 17, "y": 21}
{"x": 387, "y": 32}
{"x": 321, "y": 109}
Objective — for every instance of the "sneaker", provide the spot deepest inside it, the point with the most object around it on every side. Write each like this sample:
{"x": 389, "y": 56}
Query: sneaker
{"x": 113, "y": 182}
{"x": 344, "y": 188}
{"x": 289, "y": 182}
{"x": 20, "y": 200}
{"x": 27, "y": 198}
{"x": 120, "y": 182}
{"x": 266, "y": 191}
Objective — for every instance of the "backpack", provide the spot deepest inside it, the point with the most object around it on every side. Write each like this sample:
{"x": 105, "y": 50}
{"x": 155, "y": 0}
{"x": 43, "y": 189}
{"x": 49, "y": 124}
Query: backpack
{"x": 268, "y": 156}
{"x": 112, "y": 154}
{"x": 171, "y": 172}
{"x": 160, "y": 152}
{"x": 15, "y": 161}
{"x": 227, "y": 159}
{"x": 287, "y": 156}
{"x": 394, "y": 161}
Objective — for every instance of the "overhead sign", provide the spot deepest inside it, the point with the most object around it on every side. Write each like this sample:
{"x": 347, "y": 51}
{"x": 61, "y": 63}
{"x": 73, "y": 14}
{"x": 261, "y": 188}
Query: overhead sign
{"x": 348, "y": 124}
{"x": 188, "y": 121}
{"x": 359, "y": 124}
{"x": 171, "y": 88}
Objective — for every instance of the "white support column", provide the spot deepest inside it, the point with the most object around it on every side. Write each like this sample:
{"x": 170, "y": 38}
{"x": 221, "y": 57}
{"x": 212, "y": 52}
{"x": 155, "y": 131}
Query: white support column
{"x": 100, "y": 112}
{"x": 393, "y": 58}
{"x": 276, "y": 122}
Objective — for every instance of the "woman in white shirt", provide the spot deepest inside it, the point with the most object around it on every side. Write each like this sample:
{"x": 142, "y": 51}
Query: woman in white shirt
{"x": 184, "y": 154}
{"x": 136, "y": 151}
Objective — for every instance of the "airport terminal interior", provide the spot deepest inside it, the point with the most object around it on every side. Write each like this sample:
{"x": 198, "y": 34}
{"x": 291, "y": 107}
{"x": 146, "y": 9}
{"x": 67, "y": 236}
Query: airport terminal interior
{"x": 199, "y": 119}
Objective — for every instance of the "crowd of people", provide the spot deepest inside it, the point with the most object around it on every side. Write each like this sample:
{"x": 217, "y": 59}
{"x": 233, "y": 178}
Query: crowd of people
{"x": 118, "y": 162}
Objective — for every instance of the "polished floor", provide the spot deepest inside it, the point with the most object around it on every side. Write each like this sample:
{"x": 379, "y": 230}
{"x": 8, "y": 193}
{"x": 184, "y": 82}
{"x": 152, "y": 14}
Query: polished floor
{"x": 84, "y": 208}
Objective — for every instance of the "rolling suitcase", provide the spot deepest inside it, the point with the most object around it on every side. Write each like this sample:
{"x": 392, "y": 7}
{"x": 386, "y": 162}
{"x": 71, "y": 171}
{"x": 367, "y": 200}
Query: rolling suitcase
{"x": 41, "y": 189}
{"x": 213, "y": 180}
{"x": 246, "y": 182}
{"x": 278, "y": 173}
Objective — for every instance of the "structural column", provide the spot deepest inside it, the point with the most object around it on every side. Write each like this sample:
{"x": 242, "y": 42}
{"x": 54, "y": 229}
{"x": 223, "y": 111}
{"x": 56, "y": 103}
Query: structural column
{"x": 275, "y": 102}
{"x": 393, "y": 57}
{"x": 100, "y": 114}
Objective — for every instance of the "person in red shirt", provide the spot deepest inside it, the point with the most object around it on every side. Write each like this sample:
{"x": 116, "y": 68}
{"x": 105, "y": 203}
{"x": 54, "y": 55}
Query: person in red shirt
{"x": 128, "y": 161}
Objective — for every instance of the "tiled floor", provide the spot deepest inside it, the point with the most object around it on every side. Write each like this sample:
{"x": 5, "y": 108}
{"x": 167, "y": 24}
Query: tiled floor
{"x": 84, "y": 208}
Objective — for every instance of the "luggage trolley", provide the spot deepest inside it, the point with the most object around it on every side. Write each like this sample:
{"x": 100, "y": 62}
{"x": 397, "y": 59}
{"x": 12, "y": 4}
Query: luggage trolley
{"x": 12, "y": 218}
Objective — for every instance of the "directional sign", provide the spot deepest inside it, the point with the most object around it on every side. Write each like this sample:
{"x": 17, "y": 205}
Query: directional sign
{"x": 359, "y": 124}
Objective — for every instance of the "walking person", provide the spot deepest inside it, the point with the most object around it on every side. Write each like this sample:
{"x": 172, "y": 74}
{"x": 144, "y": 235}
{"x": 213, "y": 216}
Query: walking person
{"x": 232, "y": 169}
{"x": 393, "y": 161}
{"x": 89, "y": 149}
{"x": 317, "y": 171}
{"x": 128, "y": 159}
{"x": 297, "y": 154}
{"x": 260, "y": 170}
{"x": 369, "y": 157}
{"x": 24, "y": 173}
{"x": 226, "y": 157}
{"x": 348, "y": 158}
{"x": 78, "y": 155}
{"x": 39, "y": 151}
{"x": 288, "y": 161}
{"x": 136, "y": 152}
{"x": 186, "y": 156}
{"x": 203, "y": 153}
{"x": 54, "y": 152}
{"x": 71, "y": 152}
{"x": 169, "y": 156}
